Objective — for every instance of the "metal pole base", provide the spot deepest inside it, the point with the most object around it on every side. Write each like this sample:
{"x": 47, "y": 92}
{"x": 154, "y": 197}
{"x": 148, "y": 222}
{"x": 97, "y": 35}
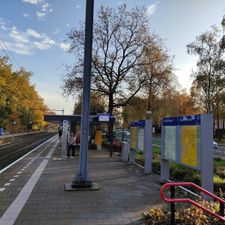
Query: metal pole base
{"x": 82, "y": 187}
{"x": 82, "y": 184}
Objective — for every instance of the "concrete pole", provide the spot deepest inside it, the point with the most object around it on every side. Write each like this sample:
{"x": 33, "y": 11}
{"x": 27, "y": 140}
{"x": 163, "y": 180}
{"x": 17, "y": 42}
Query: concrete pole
{"x": 148, "y": 146}
{"x": 82, "y": 177}
{"x": 165, "y": 164}
{"x": 206, "y": 152}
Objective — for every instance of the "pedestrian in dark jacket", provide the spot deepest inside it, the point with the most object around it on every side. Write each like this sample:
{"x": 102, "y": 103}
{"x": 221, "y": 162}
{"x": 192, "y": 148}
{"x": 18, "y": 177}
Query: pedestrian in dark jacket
{"x": 72, "y": 144}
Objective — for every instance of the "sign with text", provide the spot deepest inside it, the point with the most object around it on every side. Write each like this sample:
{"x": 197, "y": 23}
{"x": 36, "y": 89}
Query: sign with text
{"x": 181, "y": 140}
{"x": 170, "y": 143}
{"x": 192, "y": 138}
{"x": 104, "y": 117}
{"x": 141, "y": 138}
{"x": 133, "y": 137}
{"x": 189, "y": 146}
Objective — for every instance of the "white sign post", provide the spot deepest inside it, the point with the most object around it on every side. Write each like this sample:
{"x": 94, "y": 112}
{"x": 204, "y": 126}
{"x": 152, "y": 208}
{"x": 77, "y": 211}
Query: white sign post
{"x": 64, "y": 139}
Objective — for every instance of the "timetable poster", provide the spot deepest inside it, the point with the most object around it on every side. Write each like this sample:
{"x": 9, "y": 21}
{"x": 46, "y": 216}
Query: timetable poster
{"x": 133, "y": 137}
{"x": 141, "y": 139}
{"x": 189, "y": 146}
{"x": 170, "y": 143}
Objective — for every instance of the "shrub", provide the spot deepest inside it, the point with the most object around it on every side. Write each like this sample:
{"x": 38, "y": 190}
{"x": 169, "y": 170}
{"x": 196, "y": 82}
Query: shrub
{"x": 156, "y": 216}
{"x": 184, "y": 216}
{"x": 220, "y": 171}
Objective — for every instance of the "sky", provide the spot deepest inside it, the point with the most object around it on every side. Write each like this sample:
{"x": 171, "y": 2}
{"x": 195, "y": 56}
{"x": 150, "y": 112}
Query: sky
{"x": 33, "y": 35}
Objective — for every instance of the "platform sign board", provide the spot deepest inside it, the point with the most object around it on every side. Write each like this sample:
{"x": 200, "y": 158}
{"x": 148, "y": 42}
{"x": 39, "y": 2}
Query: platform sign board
{"x": 170, "y": 143}
{"x": 141, "y": 125}
{"x": 133, "y": 134}
{"x": 192, "y": 137}
{"x": 104, "y": 117}
{"x": 190, "y": 141}
{"x": 189, "y": 146}
{"x": 170, "y": 138}
{"x": 181, "y": 142}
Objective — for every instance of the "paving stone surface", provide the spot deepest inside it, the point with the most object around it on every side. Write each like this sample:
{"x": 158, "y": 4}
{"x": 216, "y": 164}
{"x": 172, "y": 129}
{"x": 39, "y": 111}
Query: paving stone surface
{"x": 125, "y": 192}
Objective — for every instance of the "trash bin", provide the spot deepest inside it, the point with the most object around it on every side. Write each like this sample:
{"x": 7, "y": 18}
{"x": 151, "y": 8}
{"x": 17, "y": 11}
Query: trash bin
{"x": 125, "y": 151}
{"x": 1, "y": 131}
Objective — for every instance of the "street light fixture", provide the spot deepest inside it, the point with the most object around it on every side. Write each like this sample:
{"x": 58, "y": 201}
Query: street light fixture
{"x": 223, "y": 22}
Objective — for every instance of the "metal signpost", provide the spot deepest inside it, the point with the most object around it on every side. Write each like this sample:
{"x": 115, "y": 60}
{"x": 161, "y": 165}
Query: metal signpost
{"x": 148, "y": 146}
{"x": 64, "y": 139}
{"x": 133, "y": 140}
{"x": 141, "y": 139}
{"x": 188, "y": 141}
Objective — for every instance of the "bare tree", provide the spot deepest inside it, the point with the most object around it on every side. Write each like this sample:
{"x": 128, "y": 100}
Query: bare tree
{"x": 97, "y": 104}
{"x": 157, "y": 72}
{"x": 120, "y": 38}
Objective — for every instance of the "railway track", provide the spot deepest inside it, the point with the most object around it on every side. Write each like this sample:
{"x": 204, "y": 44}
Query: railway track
{"x": 20, "y": 146}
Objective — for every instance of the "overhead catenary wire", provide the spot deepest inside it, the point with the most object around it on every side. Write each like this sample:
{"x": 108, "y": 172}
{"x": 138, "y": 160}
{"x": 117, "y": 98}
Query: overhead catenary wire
{"x": 8, "y": 53}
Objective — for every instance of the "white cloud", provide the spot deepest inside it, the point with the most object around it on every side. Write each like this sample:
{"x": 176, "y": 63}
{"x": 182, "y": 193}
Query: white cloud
{"x": 26, "y": 15}
{"x": 19, "y": 48}
{"x": 77, "y": 6}
{"x": 183, "y": 73}
{"x": 43, "y": 8}
{"x": 3, "y": 24}
{"x": 44, "y": 44}
{"x": 18, "y": 37}
{"x": 33, "y": 33}
{"x": 64, "y": 46}
{"x": 151, "y": 9}
{"x": 54, "y": 100}
{"x": 33, "y": 2}
{"x": 26, "y": 42}
{"x": 40, "y": 15}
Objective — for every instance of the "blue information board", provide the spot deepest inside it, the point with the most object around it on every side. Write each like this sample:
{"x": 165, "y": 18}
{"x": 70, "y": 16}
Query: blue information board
{"x": 181, "y": 140}
{"x": 182, "y": 120}
{"x": 104, "y": 117}
{"x": 134, "y": 124}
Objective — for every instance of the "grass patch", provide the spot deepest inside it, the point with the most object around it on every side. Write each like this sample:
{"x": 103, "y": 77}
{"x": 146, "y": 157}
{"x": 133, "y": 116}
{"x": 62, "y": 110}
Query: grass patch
{"x": 219, "y": 162}
{"x": 220, "y": 140}
{"x": 182, "y": 173}
{"x": 156, "y": 149}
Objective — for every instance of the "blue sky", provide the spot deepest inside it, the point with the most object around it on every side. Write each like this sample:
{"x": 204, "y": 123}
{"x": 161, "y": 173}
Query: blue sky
{"x": 33, "y": 33}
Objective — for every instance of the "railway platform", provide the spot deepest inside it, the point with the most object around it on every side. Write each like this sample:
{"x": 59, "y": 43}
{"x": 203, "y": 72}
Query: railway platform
{"x": 32, "y": 191}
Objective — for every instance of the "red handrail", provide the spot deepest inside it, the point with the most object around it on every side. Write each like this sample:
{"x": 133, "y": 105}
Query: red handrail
{"x": 174, "y": 200}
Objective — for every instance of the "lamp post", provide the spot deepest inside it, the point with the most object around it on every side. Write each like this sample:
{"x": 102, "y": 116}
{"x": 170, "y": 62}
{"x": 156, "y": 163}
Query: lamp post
{"x": 13, "y": 123}
{"x": 223, "y": 22}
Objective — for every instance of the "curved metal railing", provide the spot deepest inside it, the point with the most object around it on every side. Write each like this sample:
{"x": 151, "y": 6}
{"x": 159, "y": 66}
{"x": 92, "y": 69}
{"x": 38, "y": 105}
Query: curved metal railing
{"x": 173, "y": 200}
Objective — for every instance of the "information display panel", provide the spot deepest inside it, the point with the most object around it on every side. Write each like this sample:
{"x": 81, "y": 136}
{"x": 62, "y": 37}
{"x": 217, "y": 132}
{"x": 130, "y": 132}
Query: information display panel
{"x": 104, "y": 117}
{"x": 181, "y": 140}
{"x": 133, "y": 137}
{"x": 189, "y": 146}
{"x": 141, "y": 138}
{"x": 170, "y": 143}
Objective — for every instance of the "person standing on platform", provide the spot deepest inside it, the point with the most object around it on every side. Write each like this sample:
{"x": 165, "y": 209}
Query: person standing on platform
{"x": 98, "y": 139}
{"x": 72, "y": 143}
{"x": 60, "y": 134}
